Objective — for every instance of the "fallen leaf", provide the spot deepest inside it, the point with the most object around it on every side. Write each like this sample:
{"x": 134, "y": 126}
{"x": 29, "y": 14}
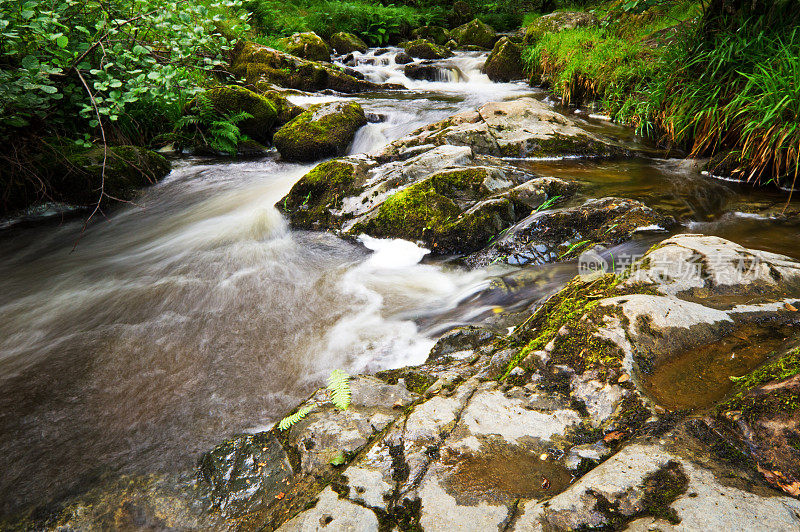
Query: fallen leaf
{"x": 624, "y": 378}
{"x": 791, "y": 307}
{"x": 545, "y": 483}
{"x": 280, "y": 495}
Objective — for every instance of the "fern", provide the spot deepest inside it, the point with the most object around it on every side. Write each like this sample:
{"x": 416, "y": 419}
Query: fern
{"x": 339, "y": 389}
{"x": 288, "y": 421}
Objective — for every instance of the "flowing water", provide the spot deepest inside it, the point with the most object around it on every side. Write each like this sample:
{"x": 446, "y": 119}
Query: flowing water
{"x": 200, "y": 313}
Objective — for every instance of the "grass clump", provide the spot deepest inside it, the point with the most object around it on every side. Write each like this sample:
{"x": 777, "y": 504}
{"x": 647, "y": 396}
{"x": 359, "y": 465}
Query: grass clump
{"x": 711, "y": 78}
{"x": 745, "y": 397}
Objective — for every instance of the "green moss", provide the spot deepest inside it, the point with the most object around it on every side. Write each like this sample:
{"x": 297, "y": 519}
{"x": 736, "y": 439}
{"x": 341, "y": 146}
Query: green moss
{"x": 307, "y": 45}
{"x": 474, "y": 33}
{"x": 310, "y": 200}
{"x": 429, "y": 211}
{"x": 320, "y": 132}
{"x": 662, "y": 488}
{"x": 231, "y": 99}
{"x": 572, "y": 308}
{"x": 435, "y": 34}
{"x": 505, "y": 61}
{"x": 753, "y": 404}
{"x": 345, "y": 43}
{"x": 424, "y": 49}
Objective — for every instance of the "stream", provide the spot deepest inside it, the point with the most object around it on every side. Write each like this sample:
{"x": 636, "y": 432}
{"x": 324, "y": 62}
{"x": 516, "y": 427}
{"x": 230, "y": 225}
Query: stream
{"x": 199, "y": 313}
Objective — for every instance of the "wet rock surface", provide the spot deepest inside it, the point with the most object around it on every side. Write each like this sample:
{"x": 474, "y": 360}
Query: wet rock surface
{"x": 505, "y": 61}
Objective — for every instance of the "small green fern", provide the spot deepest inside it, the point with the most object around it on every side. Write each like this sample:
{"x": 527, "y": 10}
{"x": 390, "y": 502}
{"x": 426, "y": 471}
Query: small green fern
{"x": 218, "y": 131}
{"x": 288, "y": 421}
{"x": 339, "y": 389}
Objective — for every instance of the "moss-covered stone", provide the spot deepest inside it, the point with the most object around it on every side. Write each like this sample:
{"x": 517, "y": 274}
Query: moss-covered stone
{"x": 324, "y": 130}
{"x": 429, "y": 211}
{"x": 505, "y": 61}
{"x": 307, "y": 45}
{"x": 260, "y": 65}
{"x": 231, "y": 99}
{"x": 435, "y": 34}
{"x": 310, "y": 201}
{"x": 286, "y": 111}
{"x": 346, "y": 43}
{"x": 576, "y": 311}
{"x": 424, "y": 49}
{"x": 475, "y": 33}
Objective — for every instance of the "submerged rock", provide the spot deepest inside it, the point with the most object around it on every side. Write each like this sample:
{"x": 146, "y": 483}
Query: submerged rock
{"x": 346, "y": 43}
{"x": 324, "y": 130}
{"x": 307, "y": 45}
{"x": 475, "y": 33}
{"x": 505, "y": 61}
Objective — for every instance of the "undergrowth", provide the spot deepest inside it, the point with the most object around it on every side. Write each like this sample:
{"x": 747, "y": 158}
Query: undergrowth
{"x": 715, "y": 78}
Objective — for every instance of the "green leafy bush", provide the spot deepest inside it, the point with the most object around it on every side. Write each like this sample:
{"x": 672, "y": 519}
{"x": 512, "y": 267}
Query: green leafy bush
{"x": 207, "y": 126}
{"x": 107, "y": 62}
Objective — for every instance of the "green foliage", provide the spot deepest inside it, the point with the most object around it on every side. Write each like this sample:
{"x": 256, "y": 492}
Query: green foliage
{"x": 288, "y": 421}
{"x": 339, "y": 389}
{"x": 375, "y": 23}
{"x": 339, "y": 392}
{"x": 218, "y": 131}
{"x": 107, "y": 61}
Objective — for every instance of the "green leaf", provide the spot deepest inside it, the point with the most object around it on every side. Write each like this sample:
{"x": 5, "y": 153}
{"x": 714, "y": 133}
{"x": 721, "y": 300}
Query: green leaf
{"x": 339, "y": 389}
{"x": 29, "y": 62}
{"x": 338, "y": 460}
{"x": 288, "y": 421}
{"x": 62, "y": 41}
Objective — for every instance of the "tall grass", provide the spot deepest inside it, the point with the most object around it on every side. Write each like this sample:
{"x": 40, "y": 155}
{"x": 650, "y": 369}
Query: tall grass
{"x": 734, "y": 90}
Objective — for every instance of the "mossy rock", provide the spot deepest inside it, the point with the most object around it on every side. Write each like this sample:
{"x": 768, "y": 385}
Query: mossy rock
{"x": 556, "y": 22}
{"x": 260, "y": 65}
{"x": 325, "y": 130}
{"x": 435, "y": 34}
{"x": 461, "y": 13}
{"x": 431, "y": 211}
{"x": 286, "y": 110}
{"x": 475, "y": 33}
{"x": 77, "y": 173}
{"x": 346, "y": 43}
{"x": 505, "y": 61}
{"x": 231, "y": 99}
{"x": 424, "y": 49}
{"x": 307, "y": 45}
{"x": 310, "y": 199}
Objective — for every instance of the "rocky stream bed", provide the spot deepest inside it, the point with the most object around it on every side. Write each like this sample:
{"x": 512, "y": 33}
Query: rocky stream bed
{"x": 598, "y": 399}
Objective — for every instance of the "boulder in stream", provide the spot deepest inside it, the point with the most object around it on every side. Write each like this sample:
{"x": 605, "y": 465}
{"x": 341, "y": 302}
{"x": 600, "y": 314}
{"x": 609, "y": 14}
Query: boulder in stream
{"x": 346, "y": 43}
{"x": 474, "y": 33}
{"x": 505, "y": 61}
{"x": 307, "y": 45}
{"x": 424, "y": 49}
{"x": 324, "y": 130}
{"x": 435, "y": 34}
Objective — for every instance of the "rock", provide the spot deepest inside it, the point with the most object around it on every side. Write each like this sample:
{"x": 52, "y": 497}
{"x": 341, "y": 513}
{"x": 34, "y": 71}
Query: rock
{"x": 435, "y": 34}
{"x": 307, "y": 45}
{"x": 475, "y": 33}
{"x": 334, "y": 512}
{"x": 505, "y": 62}
{"x": 264, "y": 68}
{"x": 549, "y": 236}
{"x": 761, "y": 418}
{"x": 286, "y": 110}
{"x": 558, "y": 21}
{"x": 647, "y": 484}
{"x": 432, "y": 71}
{"x": 345, "y": 43}
{"x": 403, "y": 58}
{"x": 76, "y": 173}
{"x": 518, "y": 128}
{"x": 324, "y": 130}
{"x": 230, "y": 100}
{"x": 424, "y": 49}
{"x": 246, "y": 473}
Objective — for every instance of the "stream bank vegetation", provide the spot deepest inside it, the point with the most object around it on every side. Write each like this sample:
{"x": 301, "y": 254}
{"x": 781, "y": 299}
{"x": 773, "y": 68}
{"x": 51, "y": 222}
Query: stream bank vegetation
{"x": 716, "y": 78}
